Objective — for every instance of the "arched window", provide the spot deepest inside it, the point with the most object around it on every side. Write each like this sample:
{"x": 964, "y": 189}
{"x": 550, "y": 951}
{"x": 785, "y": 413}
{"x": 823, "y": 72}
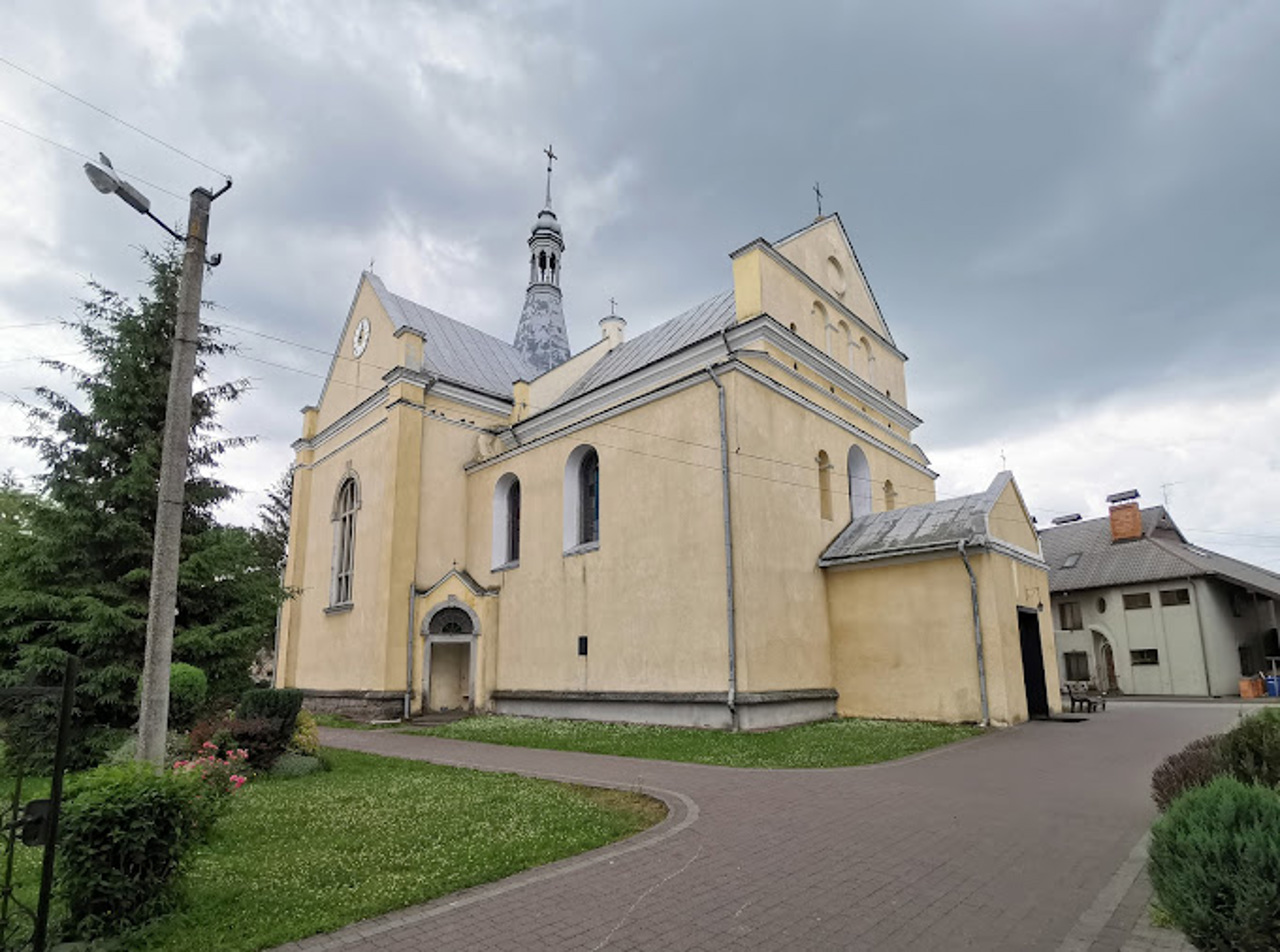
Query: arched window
{"x": 824, "y": 484}
{"x": 859, "y": 483}
{"x": 870, "y": 358}
{"x": 506, "y": 522}
{"x": 845, "y": 340}
{"x": 451, "y": 621}
{"x": 819, "y": 311}
{"x": 345, "y": 505}
{"x": 582, "y": 498}
{"x": 890, "y": 495}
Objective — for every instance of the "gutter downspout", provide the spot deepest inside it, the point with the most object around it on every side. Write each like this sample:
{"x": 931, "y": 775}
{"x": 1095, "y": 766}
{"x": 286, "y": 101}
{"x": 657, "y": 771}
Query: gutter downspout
{"x": 408, "y": 671}
{"x": 977, "y": 636}
{"x": 1204, "y": 652}
{"x": 728, "y": 554}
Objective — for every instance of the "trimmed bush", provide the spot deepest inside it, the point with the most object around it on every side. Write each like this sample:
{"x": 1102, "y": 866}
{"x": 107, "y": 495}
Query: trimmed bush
{"x": 306, "y": 735}
{"x": 1215, "y": 866}
{"x": 188, "y": 692}
{"x": 124, "y": 835}
{"x": 296, "y": 765}
{"x": 282, "y": 704}
{"x": 1251, "y": 749}
{"x": 260, "y": 736}
{"x": 1195, "y": 765}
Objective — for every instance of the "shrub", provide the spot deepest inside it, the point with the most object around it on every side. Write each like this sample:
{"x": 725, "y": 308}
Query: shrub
{"x": 259, "y": 737}
{"x": 219, "y": 774}
{"x": 124, "y": 835}
{"x": 175, "y": 744}
{"x": 1251, "y": 749}
{"x": 188, "y": 691}
{"x": 1193, "y": 766}
{"x": 282, "y": 704}
{"x": 1215, "y": 865}
{"x": 306, "y": 735}
{"x": 296, "y": 765}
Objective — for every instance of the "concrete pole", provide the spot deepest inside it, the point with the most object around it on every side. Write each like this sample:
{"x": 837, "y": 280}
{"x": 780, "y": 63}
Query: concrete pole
{"x": 153, "y": 718}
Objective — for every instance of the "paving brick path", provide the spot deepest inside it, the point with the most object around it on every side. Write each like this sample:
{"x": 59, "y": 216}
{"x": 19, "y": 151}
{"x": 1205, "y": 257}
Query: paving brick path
{"x": 1018, "y": 840}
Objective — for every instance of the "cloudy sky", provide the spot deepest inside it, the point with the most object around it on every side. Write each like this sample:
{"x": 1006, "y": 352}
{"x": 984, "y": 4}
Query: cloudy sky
{"x": 1068, "y": 210}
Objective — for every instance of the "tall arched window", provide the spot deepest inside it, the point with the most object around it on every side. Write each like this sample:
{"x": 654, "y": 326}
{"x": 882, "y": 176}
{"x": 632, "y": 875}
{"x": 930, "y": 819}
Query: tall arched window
{"x": 582, "y": 498}
{"x": 870, "y": 358}
{"x": 890, "y": 495}
{"x": 859, "y": 483}
{"x": 506, "y": 522}
{"x": 346, "y": 504}
{"x": 824, "y": 484}
{"x": 844, "y": 339}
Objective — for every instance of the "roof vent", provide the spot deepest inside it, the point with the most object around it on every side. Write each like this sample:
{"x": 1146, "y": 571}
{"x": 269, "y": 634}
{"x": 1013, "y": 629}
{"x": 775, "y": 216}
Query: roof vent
{"x": 1063, "y": 520}
{"x": 1123, "y": 496}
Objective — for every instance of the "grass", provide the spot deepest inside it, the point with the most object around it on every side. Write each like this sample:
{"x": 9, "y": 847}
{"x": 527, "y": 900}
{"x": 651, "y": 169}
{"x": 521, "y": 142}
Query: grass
{"x": 293, "y": 857}
{"x": 847, "y": 742}
{"x": 337, "y": 720}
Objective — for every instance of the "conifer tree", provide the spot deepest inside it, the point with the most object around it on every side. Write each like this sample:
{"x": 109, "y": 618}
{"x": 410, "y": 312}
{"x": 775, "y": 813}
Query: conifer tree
{"x": 75, "y": 576}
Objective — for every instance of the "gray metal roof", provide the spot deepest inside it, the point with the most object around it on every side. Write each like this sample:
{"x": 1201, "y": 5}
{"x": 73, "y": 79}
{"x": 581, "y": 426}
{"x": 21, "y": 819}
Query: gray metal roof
{"x": 454, "y": 351}
{"x": 916, "y": 529}
{"x": 698, "y": 323}
{"x": 1162, "y": 553}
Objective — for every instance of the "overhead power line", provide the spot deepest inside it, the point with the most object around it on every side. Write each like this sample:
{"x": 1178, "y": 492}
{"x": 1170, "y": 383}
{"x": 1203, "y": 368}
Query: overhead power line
{"x": 86, "y": 155}
{"x": 113, "y": 117}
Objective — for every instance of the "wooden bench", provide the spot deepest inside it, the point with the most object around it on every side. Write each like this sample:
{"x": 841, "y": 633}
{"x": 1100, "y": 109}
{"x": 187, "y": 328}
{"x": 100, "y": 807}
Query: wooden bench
{"x": 1083, "y": 697}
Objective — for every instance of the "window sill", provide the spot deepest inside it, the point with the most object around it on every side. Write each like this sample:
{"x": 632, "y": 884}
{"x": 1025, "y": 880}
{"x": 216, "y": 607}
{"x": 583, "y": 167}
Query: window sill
{"x": 339, "y": 609}
{"x": 582, "y": 548}
{"x": 506, "y": 566}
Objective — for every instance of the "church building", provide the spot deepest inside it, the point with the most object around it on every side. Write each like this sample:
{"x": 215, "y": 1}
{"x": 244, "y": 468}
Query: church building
{"x": 720, "y": 522}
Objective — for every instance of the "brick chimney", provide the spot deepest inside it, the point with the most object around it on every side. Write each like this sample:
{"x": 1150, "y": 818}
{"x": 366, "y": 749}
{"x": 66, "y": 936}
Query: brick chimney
{"x": 1126, "y": 522}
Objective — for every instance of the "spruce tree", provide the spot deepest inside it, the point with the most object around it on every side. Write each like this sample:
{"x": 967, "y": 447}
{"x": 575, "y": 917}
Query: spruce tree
{"x": 76, "y": 578}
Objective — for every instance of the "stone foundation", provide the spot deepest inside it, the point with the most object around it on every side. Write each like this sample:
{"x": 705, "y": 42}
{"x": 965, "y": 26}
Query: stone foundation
{"x": 756, "y": 710}
{"x": 357, "y": 705}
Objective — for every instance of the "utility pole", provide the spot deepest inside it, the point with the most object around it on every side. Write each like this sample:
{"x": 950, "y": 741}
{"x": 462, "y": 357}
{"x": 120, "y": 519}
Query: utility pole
{"x": 153, "y": 716}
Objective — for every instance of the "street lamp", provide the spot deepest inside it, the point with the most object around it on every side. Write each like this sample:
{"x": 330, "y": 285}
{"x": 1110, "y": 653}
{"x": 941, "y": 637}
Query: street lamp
{"x": 153, "y": 715}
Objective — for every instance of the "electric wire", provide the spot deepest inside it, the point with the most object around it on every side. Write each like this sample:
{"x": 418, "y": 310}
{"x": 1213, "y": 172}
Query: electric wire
{"x": 85, "y": 155}
{"x": 113, "y": 117}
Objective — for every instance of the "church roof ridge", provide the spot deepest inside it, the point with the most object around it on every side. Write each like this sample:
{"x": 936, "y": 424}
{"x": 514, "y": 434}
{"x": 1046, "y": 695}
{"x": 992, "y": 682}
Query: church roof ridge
{"x": 455, "y": 350}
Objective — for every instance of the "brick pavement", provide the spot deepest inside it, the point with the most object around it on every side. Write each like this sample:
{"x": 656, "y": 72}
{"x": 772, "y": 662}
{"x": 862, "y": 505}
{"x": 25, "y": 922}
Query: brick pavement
{"x": 1023, "y": 839}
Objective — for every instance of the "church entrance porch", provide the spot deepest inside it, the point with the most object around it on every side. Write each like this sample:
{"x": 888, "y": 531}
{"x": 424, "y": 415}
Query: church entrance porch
{"x": 449, "y": 680}
{"x": 449, "y": 669}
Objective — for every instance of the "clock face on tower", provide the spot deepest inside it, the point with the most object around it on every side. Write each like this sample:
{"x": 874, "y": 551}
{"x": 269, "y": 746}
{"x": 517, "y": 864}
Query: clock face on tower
{"x": 361, "y": 340}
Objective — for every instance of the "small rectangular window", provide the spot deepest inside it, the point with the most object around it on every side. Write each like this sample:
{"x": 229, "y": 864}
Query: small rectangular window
{"x": 582, "y": 645}
{"x": 1144, "y": 656}
{"x": 1069, "y": 616}
{"x": 1077, "y": 665}
{"x": 1175, "y": 596}
{"x": 1137, "y": 600}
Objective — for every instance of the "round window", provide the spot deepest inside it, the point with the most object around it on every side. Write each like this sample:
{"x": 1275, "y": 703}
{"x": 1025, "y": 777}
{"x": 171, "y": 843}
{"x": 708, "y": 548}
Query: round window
{"x": 1102, "y": 605}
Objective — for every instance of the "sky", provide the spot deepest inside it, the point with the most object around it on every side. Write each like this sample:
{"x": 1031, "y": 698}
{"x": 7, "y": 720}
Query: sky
{"x": 1068, "y": 211}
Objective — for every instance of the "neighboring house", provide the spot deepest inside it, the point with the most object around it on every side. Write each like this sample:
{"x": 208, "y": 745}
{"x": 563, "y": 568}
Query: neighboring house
{"x": 722, "y": 522}
{"x": 1140, "y": 610}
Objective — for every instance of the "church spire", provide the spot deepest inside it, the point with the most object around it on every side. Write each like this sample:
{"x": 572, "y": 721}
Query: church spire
{"x": 541, "y": 336}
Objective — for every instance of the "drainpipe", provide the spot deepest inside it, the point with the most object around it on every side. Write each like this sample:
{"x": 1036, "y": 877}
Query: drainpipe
{"x": 728, "y": 555}
{"x": 977, "y": 636}
{"x": 1204, "y": 652}
{"x": 408, "y": 670}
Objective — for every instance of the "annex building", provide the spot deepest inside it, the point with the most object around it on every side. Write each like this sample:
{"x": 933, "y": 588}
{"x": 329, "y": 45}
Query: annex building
{"x": 723, "y": 521}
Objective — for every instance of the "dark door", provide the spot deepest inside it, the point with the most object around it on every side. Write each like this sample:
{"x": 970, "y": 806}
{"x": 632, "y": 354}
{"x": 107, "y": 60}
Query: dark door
{"x": 1032, "y": 664}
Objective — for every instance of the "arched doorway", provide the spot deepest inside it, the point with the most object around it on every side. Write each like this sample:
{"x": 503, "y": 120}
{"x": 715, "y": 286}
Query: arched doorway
{"x": 1106, "y": 662}
{"x": 448, "y": 675}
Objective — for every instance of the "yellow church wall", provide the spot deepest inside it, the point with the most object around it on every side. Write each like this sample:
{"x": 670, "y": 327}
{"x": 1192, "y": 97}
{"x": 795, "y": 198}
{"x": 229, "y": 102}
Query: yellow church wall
{"x": 779, "y": 530}
{"x": 353, "y": 380}
{"x": 547, "y": 388}
{"x": 651, "y": 597}
{"x": 1009, "y": 521}
{"x": 903, "y": 641}
{"x": 811, "y": 251}
{"x": 344, "y": 648}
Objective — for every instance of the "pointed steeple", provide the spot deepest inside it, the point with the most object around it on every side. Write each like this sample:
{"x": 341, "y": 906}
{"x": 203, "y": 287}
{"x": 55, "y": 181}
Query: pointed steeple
{"x": 541, "y": 336}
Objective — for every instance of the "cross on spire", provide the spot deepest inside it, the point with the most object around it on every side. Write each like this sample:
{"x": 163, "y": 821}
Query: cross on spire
{"x": 551, "y": 157}
{"x": 613, "y": 308}
{"x": 818, "y": 194}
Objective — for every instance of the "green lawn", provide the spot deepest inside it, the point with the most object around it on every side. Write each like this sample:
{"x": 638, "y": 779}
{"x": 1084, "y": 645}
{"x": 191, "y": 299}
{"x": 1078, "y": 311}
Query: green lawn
{"x": 847, "y": 742}
{"x": 294, "y": 857}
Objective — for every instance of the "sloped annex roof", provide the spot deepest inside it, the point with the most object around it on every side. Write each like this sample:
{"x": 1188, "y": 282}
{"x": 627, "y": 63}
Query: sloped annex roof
{"x": 1161, "y": 553}
{"x": 698, "y": 323}
{"x": 455, "y": 351}
{"x": 914, "y": 530}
